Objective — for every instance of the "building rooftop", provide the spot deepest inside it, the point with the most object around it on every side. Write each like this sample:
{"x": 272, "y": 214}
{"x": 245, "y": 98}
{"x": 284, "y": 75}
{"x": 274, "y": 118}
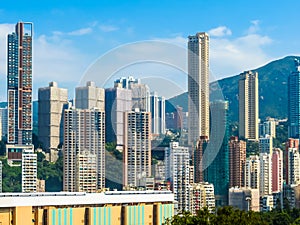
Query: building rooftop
{"x": 82, "y": 198}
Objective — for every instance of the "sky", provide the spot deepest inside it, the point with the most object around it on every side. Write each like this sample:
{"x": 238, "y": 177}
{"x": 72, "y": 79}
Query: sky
{"x": 76, "y": 41}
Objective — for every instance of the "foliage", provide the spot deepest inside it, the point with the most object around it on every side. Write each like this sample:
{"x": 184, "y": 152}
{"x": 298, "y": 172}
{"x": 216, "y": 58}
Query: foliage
{"x": 11, "y": 177}
{"x": 228, "y": 215}
{"x": 111, "y": 148}
{"x": 52, "y": 173}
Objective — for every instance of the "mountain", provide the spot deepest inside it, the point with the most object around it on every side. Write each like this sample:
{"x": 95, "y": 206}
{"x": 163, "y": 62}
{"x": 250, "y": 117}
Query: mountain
{"x": 273, "y": 79}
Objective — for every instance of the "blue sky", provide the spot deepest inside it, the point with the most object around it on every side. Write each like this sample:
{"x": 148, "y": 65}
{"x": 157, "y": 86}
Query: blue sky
{"x": 69, "y": 36}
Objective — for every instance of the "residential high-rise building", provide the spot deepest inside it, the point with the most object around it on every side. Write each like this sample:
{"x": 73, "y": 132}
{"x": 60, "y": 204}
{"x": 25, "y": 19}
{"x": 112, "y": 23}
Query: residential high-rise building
{"x": 290, "y": 144}
{"x": 237, "y": 162}
{"x": 265, "y": 182}
{"x": 19, "y": 85}
{"x": 277, "y": 170}
{"x": 293, "y": 172}
{"x": 29, "y": 170}
{"x": 202, "y": 195}
{"x": 84, "y": 130}
{"x": 268, "y": 127}
{"x": 248, "y": 105}
{"x": 140, "y": 92}
{"x": 52, "y": 101}
{"x": 117, "y": 101}
{"x": 137, "y": 147}
{"x": 86, "y": 172}
{"x": 266, "y": 144}
{"x": 252, "y": 172}
{"x": 201, "y": 145}
{"x": 177, "y": 172}
{"x": 157, "y": 109}
{"x": 198, "y": 86}
{"x": 89, "y": 96}
{"x": 217, "y": 172}
{"x": 3, "y": 121}
{"x": 294, "y": 102}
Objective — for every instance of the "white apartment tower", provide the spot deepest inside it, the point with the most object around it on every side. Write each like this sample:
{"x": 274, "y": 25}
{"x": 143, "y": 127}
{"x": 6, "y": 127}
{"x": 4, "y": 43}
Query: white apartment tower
{"x": 177, "y": 172}
{"x": 202, "y": 195}
{"x": 137, "y": 147}
{"x": 29, "y": 170}
{"x": 293, "y": 166}
{"x": 84, "y": 130}
{"x": 248, "y": 105}
{"x": 252, "y": 173}
{"x": 52, "y": 101}
{"x": 198, "y": 86}
{"x": 265, "y": 182}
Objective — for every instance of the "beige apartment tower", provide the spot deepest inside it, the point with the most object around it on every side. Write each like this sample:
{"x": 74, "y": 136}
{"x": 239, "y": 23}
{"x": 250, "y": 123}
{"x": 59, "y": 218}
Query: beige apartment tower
{"x": 52, "y": 101}
{"x": 248, "y": 105}
{"x": 198, "y": 86}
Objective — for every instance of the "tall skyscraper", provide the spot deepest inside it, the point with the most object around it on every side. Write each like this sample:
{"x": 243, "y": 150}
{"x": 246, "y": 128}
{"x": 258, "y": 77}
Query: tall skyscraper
{"x": 294, "y": 102}
{"x": 293, "y": 172}
{"x": 137, "y": 147}
{"x": 198, "y": 86}
{"x": 248, "y": 105}
{"x": 52, "y": 101}
{"x": 252, "y": 172}
{"x": 277, "y": 170}
{"x": 177, "y": 172}
{"x": 89, "y": 96}
{"x": 84, "y": 130}
{"x": 237, "y": 162}
{"x": 19, "y": 85}
{"x": 217, "y": 151}
{"x": 157, "y": 109}
{"x": 117, "y": 101}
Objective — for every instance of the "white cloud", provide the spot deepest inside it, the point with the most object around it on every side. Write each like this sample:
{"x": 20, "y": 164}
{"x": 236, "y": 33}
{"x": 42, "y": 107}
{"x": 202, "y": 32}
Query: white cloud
{"x": 254, "y": 28}
{"x": 82, "y": 31}
{"x": 108, "y": 28}
{"x": 220, "y": 31}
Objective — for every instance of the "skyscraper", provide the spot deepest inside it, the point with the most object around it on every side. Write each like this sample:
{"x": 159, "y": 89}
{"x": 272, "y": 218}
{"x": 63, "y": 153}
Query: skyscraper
{"x": 265, "y": 182}
{"x": 29, "y": 170}
{"x": 217, "y": 151}
{"x": 157, "y": 109}
{"x": 237, "y": 162}
{"x": 89, "y": 96}
{"x": 19, "y": 85}
{"x": 140, "y": 92}
{"x": 52, "y": 101}
{"x": 137, "y": 147}
{"x": 252, "y": 172}
{"x": 177, "y": 172}
{"x": 198, "y": 86}
{"x": 117, "y": 101}
{"x": 3, "y": 121}
{"x": 198, "y": 158}
{"x": 289, "y": 157}
{"x": 266, "y": 144}
{"x": 294, "y": 102}
{"x": 277, "y": 170}
{"x": 84, "y": 131}
{"x": 248, "y": 105}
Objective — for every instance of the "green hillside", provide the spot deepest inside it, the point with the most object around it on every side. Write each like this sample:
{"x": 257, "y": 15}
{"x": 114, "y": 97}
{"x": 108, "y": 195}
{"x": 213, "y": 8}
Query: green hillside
{"x": 273, "y": 79}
